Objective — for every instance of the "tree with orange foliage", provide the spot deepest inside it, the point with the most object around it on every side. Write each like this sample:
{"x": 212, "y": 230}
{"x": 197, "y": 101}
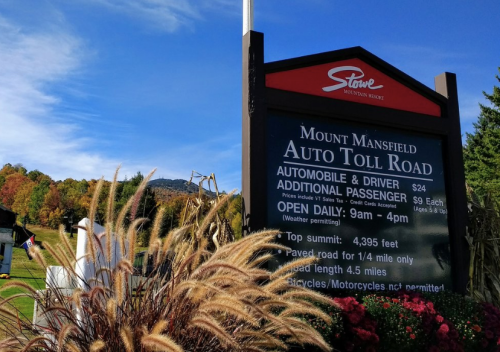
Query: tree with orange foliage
{"x": 9, "y": 189}
{"x": 51, "y": 214}
{"x": 22, "y": 198}
{"x": 86, "y": 199}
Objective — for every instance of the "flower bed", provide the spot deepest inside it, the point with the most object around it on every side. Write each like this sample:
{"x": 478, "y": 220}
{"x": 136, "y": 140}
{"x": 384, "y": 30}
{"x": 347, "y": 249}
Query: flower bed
{"x": 411, "y": 321}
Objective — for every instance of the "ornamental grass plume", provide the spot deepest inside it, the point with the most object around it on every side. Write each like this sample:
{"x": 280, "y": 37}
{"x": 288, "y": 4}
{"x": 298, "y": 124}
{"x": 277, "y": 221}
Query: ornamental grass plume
{"x": 220, "y": 300}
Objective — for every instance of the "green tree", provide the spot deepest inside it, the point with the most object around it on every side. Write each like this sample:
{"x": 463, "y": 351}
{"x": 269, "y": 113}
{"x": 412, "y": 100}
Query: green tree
{"x": 37, "y": 198}
{"x": 20, "y": 169}
{"x": 145, "y": 208}
{"x": 34, "y": 175}
{"x": 173, "y": 211}
{"x": 126, "y": 189}
{"x": 70, "y": 192}
{"x": 482, "y": 149}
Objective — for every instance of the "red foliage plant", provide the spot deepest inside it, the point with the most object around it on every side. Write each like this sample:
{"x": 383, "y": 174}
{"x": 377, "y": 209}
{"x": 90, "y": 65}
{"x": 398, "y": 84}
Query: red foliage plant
{"x": 9, "y": 189}
{"x": 491, "y": 326}
{"x": 442, "y": 334}
{"x": 358, "y": 326}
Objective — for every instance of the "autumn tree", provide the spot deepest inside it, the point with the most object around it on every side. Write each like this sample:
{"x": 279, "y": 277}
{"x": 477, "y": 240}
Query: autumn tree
{"x": 51, "y": 214}
{"x": 10, "y": 187}
{"x": 7, "y": 170}
{"x": 22, "y": 198}
{"x": 45, "y": 202}
{"x": 86, "y": 199}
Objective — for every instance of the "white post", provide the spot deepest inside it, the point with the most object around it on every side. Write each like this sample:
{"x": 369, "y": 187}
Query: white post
{"x": 247, "y": 16}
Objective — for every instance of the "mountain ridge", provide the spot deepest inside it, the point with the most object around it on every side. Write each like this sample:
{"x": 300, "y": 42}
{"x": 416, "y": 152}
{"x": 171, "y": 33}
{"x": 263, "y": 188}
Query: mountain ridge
{"x": 178, "y": 185}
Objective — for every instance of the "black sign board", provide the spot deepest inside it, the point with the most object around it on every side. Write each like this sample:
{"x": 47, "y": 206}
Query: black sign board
{"x": 370, "y": 203}
{"x": 358, "y": 165}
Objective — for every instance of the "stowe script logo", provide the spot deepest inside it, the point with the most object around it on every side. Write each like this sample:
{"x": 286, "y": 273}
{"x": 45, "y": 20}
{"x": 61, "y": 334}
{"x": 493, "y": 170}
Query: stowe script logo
{"x": 352, "y": 81}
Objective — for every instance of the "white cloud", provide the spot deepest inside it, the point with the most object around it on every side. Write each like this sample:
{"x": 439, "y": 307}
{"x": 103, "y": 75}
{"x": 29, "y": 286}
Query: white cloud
{"x": 43, "y": 66}
{"x": 469, "y": 107}
{"x": 469, "y": 111}
{"x": 163, "y": 15}
{"x": 32, "y": 131}
{"x": 229, "y": 6}
{"x": 168, "y": 15}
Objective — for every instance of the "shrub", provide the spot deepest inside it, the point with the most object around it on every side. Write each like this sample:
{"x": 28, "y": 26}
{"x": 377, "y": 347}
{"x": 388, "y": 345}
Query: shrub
{"x": 398, "y": 328}
{"x": 411, "y": 321}
{"x": 359, "y": 327}
{"x": 221, "y": 300}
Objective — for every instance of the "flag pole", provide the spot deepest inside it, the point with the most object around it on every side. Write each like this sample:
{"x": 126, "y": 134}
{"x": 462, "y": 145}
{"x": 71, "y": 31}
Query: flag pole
{"x": 247, "y": 16}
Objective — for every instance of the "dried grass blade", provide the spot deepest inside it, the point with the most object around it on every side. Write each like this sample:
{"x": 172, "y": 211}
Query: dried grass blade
{"x": 161, "y": 342}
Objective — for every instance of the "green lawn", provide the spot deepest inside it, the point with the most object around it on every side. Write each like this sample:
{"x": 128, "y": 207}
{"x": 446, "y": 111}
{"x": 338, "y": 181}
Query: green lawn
{"x": 29, "y": 271}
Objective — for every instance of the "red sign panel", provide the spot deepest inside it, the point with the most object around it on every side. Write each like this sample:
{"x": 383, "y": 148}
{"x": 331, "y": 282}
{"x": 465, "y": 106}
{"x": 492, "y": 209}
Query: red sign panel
{"x": 353, "y": 80}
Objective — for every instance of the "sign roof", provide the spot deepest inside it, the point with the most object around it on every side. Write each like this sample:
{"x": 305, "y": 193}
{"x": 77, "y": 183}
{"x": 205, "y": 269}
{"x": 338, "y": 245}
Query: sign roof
{"x": 359, "y": 77}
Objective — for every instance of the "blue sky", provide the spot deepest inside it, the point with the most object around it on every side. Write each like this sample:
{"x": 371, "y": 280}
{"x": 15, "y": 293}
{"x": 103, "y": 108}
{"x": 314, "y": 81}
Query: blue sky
{"x": 87, "y": 85}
